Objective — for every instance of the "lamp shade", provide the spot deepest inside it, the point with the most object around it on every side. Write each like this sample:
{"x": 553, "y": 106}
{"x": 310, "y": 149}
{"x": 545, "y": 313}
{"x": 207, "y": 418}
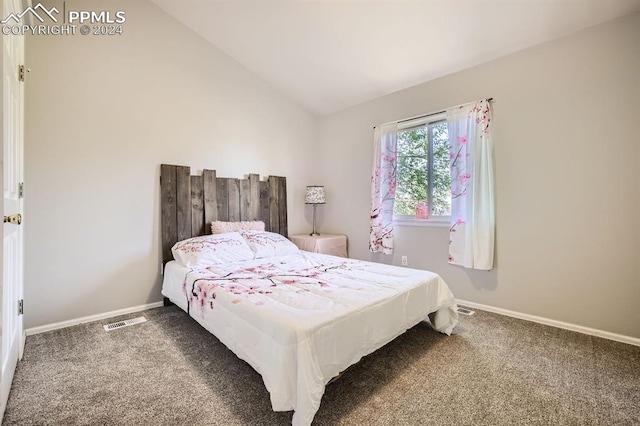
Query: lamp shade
{"x": 315, "y": 195}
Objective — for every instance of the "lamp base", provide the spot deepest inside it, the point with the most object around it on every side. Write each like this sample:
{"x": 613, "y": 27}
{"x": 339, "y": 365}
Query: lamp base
{"x": 314, "y": 233}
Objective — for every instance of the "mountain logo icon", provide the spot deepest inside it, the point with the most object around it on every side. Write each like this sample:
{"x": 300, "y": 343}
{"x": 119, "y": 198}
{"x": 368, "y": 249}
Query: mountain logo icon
{"x": 33, "y": 11}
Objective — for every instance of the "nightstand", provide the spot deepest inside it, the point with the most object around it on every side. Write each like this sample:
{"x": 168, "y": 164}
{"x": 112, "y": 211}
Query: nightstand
{"x": 335, "y": 245}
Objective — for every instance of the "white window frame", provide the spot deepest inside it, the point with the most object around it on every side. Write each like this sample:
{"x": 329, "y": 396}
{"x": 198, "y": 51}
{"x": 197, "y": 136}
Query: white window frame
{"x": 411, "y": 220}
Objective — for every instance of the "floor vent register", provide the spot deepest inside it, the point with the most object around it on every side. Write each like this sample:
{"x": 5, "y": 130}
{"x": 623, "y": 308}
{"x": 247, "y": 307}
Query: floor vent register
{"x": 126, "y": 323}
{"x": 465, "y": 311}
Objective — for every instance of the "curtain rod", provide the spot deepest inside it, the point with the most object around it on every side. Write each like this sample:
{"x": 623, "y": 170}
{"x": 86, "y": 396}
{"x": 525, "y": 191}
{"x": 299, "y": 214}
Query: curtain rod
{"x": 428, "y": 115}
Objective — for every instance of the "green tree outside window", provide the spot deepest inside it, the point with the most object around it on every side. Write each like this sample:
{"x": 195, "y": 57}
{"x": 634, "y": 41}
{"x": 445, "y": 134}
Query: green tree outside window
{"x": 416, "y": 147}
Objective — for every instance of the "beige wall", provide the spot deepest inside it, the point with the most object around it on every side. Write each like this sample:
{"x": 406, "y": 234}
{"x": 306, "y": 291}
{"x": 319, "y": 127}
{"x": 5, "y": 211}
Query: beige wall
{"x": 567, "y": 153}
{"x": 102, "y": 113}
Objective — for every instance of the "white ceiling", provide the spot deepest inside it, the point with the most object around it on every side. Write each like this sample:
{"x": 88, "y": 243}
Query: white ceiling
{"x": 331, "y": 54}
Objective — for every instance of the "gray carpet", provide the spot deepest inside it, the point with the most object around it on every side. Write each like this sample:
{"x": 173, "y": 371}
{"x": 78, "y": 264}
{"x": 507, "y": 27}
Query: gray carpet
{"x": 169, "y": 371}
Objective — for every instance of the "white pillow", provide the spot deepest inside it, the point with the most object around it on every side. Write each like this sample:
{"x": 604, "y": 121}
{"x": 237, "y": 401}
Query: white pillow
{"x": 219, "y": 227}
{"x": 267, "y": 244}
{"x": 212, "y": 250}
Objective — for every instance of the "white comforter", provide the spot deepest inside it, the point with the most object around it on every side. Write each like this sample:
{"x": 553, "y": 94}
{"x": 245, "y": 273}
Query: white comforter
{"x": 301, "y": 319}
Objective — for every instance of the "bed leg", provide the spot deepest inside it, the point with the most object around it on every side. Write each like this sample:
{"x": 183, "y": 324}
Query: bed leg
{"x": 167, "y": 302}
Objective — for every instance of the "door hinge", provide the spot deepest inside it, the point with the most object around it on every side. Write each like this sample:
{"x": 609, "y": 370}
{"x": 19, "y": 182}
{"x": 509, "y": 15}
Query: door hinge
{"x": 22, "y": 72}
{"x": 20, "y": 306}
{"x": 21, "y": 190}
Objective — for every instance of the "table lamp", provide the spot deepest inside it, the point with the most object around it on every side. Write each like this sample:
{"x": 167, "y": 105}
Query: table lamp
{"x": 315, "y": 195}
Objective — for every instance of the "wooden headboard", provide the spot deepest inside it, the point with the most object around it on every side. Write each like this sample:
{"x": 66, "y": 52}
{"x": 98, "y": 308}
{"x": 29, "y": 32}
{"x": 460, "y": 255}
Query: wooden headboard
{"x": 190, "y": 203}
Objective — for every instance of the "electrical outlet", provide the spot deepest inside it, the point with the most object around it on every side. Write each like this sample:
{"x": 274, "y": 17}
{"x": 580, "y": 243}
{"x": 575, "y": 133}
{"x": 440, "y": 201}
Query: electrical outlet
{"x": 405, "y": 262}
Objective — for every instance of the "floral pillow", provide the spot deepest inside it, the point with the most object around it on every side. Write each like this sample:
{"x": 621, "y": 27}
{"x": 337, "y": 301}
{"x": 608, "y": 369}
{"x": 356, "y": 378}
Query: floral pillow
{"x": 212, "y": 250}
{"x": 267, "y": 244}
{"x": 219, "y": 227}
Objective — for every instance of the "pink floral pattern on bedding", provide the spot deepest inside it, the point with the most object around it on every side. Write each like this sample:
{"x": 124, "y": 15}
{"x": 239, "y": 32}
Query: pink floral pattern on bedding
{"x": 212, "y": 249}
{"x": 245, "y": 282}
{"x": 268, "y": 244}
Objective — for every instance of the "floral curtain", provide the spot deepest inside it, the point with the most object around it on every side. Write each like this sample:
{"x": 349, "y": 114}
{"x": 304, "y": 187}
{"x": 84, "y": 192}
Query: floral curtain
{"x": 472, "y": 232}
{"x": 383, "y": 188}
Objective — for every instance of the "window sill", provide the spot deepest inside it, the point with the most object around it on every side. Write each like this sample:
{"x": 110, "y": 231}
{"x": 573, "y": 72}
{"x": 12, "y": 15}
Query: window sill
{"x": 443, "y": 222}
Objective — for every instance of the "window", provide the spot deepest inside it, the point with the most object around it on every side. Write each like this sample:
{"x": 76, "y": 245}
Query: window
{"x": 423, "y": 169}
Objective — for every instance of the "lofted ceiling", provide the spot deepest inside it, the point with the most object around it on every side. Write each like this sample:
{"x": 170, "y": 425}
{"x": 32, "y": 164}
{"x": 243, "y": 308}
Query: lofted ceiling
{"x": 328, "y": 55}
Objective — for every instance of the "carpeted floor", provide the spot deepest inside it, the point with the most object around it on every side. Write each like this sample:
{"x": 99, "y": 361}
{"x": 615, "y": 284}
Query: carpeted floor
{"x": 495, "y": 370}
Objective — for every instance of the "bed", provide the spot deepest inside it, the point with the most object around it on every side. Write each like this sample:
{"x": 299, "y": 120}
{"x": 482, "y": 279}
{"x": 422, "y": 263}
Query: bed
{"x": 298, "y": 318}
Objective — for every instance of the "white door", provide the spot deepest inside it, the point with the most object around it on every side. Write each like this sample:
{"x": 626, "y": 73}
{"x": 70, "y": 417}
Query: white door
{"x": 12, "y": 176}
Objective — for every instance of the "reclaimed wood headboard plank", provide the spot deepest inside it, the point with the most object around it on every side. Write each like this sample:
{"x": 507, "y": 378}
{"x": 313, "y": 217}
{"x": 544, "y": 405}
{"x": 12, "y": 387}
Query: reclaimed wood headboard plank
{"x": 210, "y": 198}
{"x": 223, "y": 199}
{"x": 169, "y": 210}
{"x": 282, "y": 201}
{"x": 245, "y": 199}
{"x": 234, "y": 200}
{"x": 183, "y": 202}
{"x": 197, "y": 205}
{"x": 265, "y": 205}
{"x": 274, "y": 216}
{"x": 254, "y": 195}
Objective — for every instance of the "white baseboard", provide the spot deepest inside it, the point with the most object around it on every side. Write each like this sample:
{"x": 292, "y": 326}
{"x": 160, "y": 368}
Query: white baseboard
{"x": 553, "y": 323}
{"x": 22, "y": 343}
{"x": 72, "y": 322}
